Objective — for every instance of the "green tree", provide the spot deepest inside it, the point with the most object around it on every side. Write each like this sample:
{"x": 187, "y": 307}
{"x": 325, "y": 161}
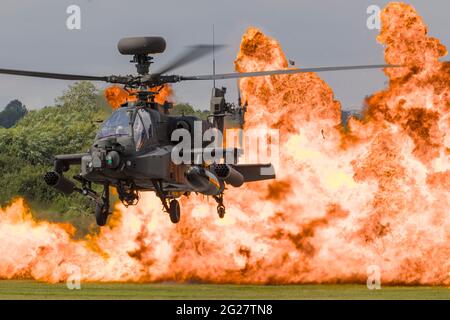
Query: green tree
{"x": 12, "y": 113}
{"x": 188, "y": 110}
{"x": 28, "y": 149}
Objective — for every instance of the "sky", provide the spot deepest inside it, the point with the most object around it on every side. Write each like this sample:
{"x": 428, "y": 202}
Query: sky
{"x": 34, "y": 36}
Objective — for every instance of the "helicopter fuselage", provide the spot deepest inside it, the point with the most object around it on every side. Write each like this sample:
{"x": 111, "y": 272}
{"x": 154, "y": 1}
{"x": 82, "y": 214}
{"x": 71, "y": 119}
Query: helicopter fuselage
{"x": 138, "y": 149}
{"x": 140, "y": 154}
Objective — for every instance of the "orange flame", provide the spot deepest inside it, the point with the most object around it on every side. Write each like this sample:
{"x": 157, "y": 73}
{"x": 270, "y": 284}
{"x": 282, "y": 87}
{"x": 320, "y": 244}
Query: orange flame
{"x": 116, "y": 96}
{"x": 378, "y": 195}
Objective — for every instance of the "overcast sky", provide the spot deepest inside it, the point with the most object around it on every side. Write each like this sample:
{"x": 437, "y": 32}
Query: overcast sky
{"x": 34, "y": 36}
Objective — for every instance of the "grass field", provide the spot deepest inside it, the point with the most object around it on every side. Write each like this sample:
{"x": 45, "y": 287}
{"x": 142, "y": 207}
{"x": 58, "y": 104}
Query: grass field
{"x": 37, "y": 290}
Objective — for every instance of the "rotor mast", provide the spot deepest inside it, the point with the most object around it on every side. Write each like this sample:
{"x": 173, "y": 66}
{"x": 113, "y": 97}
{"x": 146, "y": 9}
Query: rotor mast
{"x": 142, "y": 63}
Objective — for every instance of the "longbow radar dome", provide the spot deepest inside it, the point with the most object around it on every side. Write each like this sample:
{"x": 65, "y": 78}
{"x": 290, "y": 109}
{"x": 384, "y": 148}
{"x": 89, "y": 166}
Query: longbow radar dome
{"x": 141, "y": 45}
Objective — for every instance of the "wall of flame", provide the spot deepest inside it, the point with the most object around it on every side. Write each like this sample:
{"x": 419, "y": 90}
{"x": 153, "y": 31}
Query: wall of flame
{"x": 377, "y": 194}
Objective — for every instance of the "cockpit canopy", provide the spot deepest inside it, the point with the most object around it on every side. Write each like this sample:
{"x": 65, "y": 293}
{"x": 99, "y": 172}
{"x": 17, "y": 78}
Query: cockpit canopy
{"x": 117, "y": 125}
{"x": 136, "y": 123}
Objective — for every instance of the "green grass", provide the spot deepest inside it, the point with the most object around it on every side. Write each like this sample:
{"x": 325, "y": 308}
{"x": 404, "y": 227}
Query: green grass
{"x": 36, "y": 290}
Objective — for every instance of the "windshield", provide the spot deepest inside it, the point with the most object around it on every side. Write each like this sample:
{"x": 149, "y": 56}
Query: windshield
{"x": 117, "y": 125}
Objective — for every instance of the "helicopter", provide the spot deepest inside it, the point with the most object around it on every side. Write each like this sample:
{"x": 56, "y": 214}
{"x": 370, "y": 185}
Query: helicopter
{"x": 133, "y": 149}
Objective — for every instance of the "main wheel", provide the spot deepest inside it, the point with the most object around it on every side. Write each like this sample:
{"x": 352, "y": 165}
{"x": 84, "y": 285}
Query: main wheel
{"x": 101, "y": 215}
{"x": 174, "y": 211}
{"x": 221, "y": 211}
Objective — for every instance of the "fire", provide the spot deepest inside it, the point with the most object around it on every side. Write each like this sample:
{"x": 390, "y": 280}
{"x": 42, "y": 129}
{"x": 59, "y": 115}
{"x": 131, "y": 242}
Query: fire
{"x": 375, "y": 195}
{"x": 116, "y": 96}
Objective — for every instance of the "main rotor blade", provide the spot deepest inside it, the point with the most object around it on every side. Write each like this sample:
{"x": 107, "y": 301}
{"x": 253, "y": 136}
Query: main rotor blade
{"x": 192, "y": 54}
{"x": 287, "y": 71}
{"x": 47, "y": 75}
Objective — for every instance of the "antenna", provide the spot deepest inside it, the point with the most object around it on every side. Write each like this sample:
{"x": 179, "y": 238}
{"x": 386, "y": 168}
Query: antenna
{"x": 214, "y": 57}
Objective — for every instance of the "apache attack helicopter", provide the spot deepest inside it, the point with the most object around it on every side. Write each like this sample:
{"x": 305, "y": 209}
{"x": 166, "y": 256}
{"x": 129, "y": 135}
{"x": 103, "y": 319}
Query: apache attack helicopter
{"x": 132, "y": 150}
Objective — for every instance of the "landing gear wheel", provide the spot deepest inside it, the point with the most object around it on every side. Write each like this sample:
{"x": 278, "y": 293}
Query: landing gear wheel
{"x": 220, "y": 206}
{"x": 221, "y": 211}
{"x": 101, "y": 215}
{"x": 174, "y": 211}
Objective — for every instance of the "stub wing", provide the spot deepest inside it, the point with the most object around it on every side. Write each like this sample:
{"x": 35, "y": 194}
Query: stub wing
{"x": 255, "y": 172}
{"x": 70, "y": 158}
